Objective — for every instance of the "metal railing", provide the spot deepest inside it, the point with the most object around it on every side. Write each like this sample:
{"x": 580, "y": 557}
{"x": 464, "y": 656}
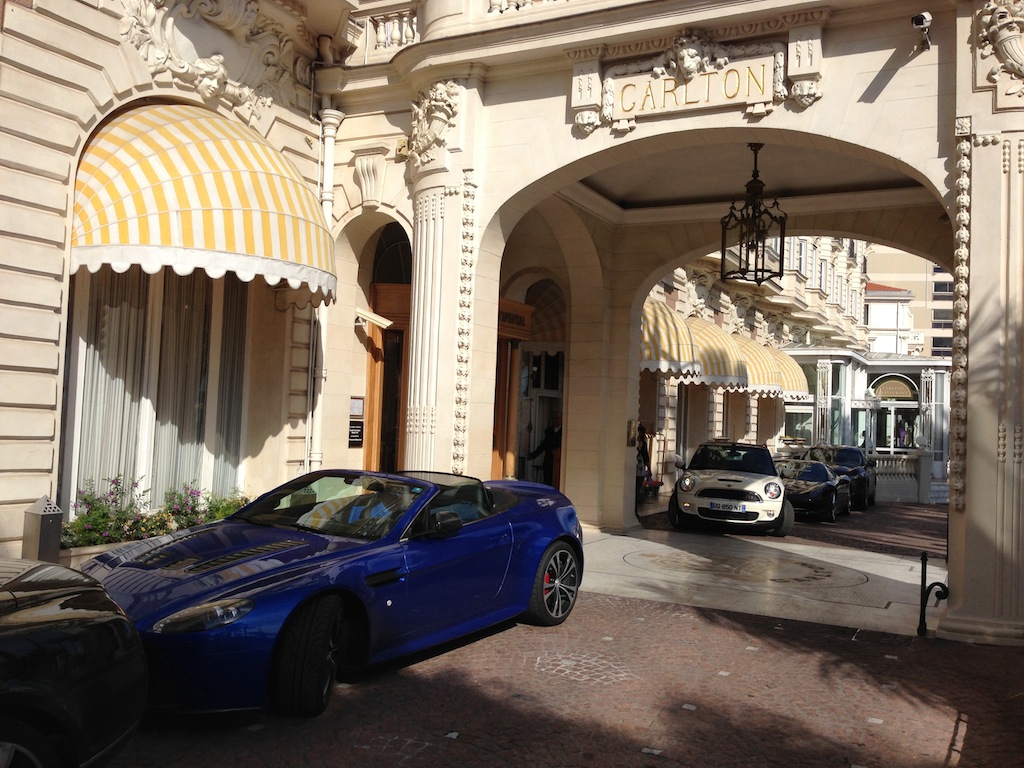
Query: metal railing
{"x": 941, "y": 593}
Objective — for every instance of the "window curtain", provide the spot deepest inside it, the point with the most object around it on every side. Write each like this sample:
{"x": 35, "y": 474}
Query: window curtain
{"x": 144, "y": 419}
{"x": 181, "y": 384}
{"x": 114, "y": 376}
{"x": 226, "y": 444}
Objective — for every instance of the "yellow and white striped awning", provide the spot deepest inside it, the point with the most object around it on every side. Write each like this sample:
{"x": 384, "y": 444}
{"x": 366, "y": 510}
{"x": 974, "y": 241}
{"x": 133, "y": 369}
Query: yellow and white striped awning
{"x": 793, "y": 380}
{"x": 722, "y": 362}
{"x": 179, "y": 186}
{"x": 763, "y": 376}
{"x": 666, "y": 344}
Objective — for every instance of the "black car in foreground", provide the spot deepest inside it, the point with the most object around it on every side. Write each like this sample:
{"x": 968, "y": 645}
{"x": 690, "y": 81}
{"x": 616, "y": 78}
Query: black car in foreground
{"x": 849, "y": 461}
{"x": 72, "y": 669}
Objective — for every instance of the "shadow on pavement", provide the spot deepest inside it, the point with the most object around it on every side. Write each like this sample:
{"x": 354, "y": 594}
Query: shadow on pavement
{"x": 886, "y": 528}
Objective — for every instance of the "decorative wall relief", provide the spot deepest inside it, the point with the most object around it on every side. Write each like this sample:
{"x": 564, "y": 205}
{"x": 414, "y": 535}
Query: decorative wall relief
{"x": 225, "y": 49}
{"x": 999, "y": 51}
{"x": 464, "y": 329}
{"x": 371, "y": 166}
{"x": 961, "y": 272}
{"x": 694, "y": 71}
{"x": 432, "y": 116}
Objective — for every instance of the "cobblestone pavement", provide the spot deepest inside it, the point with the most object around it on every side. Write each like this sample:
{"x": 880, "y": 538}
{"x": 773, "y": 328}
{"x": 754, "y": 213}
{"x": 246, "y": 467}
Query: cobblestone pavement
{"x": 637, "y": 683}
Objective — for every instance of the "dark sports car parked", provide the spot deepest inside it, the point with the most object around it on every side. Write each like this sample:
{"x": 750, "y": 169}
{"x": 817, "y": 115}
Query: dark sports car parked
{"x": 72, "y": 669}
{"x": 814, "y": 489}
{"x": 849, "y": 461}
{"x": 335, "y": 571}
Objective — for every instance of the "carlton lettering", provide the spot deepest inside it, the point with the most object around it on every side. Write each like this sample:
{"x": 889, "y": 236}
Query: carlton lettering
{"x": 745, "y": 82}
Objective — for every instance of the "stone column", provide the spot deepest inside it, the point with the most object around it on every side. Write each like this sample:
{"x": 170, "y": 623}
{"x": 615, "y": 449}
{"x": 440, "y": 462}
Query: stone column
{"x": 431, "y": 336}
{"x": 822, "y": 432}
{"x": 441, "y": 318}
{"x": 986, "y": 530}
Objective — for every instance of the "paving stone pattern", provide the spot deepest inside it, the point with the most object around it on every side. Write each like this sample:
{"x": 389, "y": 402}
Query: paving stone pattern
{"x": 635, "y": 683}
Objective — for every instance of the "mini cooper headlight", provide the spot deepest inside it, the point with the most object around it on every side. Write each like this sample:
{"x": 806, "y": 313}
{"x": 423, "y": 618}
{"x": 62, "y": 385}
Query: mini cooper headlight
{"x": 200, "y": 618}
{"x": 773, "y": 490}
{"x": 687, "y": 483}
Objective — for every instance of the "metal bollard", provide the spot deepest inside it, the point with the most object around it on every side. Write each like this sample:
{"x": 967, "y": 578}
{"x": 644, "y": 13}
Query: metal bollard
{"x": 41, "y": 536}
{"x": 941, "y": 593}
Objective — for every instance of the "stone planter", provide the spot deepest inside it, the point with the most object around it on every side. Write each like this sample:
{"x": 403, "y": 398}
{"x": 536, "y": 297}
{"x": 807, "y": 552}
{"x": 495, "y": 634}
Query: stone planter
{"x": 75, "y": 556}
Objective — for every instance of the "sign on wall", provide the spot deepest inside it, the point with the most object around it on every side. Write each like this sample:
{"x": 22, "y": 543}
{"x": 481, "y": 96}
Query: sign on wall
{"x": 692, "y": 71}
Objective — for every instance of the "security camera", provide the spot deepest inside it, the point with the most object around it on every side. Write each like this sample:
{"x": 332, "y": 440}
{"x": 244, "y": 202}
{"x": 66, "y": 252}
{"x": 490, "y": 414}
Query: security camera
{"x": 922, "y": 22}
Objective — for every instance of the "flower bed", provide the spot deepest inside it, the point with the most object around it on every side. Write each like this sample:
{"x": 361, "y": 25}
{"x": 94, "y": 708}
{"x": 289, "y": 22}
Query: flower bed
{"x": 122, "y": 513}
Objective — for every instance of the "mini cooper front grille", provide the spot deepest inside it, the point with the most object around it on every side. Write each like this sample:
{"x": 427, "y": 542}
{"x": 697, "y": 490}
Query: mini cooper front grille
{"x": 732, "y": 494}
{"x": 721, "y": 514}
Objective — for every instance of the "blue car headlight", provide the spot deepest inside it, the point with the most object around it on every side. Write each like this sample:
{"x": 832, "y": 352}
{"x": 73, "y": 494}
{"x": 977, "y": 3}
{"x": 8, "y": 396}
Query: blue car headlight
{"x": 200, "y": 618}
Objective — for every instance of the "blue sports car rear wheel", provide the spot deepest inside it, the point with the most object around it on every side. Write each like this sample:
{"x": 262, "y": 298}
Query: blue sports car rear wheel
{"x": 306, "y": 665}
{"x": 555, "y": 586}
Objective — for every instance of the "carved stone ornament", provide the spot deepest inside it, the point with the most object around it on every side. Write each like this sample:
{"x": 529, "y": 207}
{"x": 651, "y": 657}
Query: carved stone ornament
{"x": 697, "y": 72}
{"x": 998, "y": 33}
{"x": 200, "y": 42}
{"x": 432, "y": 116}
{"x": 688, "y": 302}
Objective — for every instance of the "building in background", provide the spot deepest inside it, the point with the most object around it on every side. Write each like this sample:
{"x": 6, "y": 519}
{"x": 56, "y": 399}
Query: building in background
{"x": 931, "y": 305}
{"x": 890, "y": 320}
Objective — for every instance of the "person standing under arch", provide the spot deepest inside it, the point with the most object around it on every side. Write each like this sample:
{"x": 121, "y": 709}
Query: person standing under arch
{"x": 551, "y": 448}
{"x": 643, "y": 465}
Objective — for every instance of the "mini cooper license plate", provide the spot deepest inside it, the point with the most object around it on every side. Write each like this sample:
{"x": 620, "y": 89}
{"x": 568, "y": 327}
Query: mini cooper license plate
{"x": 726, "y": 506}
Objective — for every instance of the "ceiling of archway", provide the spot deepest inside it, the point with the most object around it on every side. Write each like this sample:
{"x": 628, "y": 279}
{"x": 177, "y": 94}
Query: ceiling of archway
{"x": 825, "y": 186}
{"x": 719, "y": 173}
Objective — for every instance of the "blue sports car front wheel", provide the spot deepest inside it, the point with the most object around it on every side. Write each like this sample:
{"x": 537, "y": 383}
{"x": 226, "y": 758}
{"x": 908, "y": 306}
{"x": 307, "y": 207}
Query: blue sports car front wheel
{"x": 306, "y": 664}
{"x": 555, "y": 586}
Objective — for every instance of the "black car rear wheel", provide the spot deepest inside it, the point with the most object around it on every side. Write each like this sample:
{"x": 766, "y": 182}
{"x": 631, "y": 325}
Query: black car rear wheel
{"x": 22, "y": 746}
{"x": 860, "y": 500}
{"x": 847, "y": 503}
{"x": 830, "y": 511}
{"x": 555, "y": 586}
{"x": 306, "y": 664}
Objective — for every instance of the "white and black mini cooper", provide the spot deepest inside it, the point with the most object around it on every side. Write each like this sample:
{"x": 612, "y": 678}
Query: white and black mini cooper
{"x": 733, "y": 483}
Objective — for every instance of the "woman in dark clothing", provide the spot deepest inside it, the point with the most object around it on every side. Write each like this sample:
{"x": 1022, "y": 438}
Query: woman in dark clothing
{"x": 643, "y": 464}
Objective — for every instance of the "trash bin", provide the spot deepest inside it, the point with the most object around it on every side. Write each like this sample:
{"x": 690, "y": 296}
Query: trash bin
{"x": 41, "y": 536}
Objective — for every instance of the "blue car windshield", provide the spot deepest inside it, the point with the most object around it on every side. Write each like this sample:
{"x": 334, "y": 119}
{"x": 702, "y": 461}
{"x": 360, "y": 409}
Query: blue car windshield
{"x": 815, "y": 473}
{"x": 849, "y": 457}
{"x": 353, "y": 504}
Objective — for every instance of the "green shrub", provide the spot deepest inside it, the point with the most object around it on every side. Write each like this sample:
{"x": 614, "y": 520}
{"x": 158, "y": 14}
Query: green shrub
{"x": 219, "y": 507}
{"x": 193, "y": 506}
{"x": 122, "y": 513}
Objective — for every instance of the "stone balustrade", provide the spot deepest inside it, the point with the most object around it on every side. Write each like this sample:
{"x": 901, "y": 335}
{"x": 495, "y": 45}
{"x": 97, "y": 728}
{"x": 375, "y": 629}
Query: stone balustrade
{"x": 904, "y": 477}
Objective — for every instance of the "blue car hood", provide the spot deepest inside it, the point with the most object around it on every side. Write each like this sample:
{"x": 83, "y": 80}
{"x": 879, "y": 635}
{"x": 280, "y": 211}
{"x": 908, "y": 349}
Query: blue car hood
{"x": 159, "y": 575}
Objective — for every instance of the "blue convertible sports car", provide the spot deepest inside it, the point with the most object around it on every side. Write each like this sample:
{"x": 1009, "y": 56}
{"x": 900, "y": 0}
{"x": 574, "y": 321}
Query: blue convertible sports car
{"x": 335, "y": 571}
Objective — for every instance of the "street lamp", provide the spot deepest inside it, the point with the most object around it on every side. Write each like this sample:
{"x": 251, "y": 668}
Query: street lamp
{"x": 754, "y": 223}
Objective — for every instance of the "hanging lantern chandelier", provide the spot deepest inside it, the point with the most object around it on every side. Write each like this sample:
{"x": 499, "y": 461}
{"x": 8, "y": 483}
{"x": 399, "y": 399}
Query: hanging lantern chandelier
{"x": 749, "y": 235}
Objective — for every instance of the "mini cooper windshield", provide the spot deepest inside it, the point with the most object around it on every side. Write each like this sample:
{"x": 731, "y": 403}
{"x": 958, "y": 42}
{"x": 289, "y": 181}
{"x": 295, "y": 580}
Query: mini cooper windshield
{"x": 734, "y": 457}
{"x": 350, "y": 504}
